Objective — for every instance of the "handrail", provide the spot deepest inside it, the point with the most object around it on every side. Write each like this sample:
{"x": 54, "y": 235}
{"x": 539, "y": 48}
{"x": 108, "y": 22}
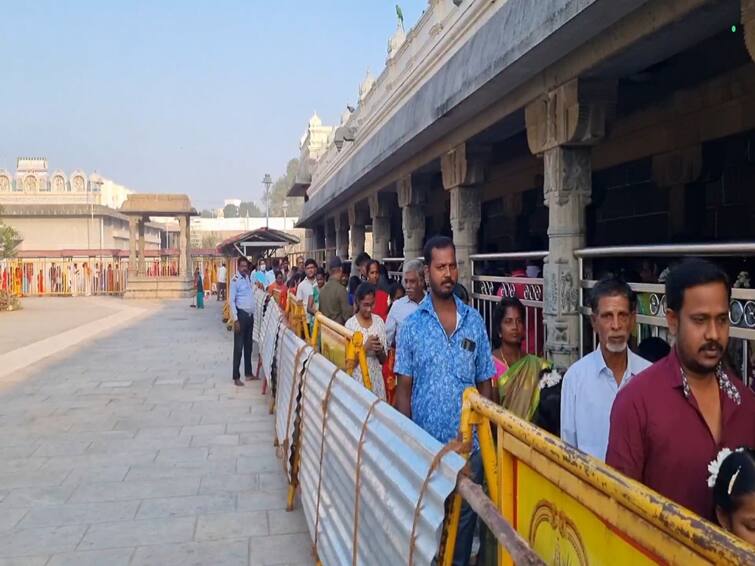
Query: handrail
{"x": 504, "y": 533}
{"x": 509, "y": 255}
{"x": 355, "y": 354}
{"x": 668, "y": 250}
{"x": 672, "y": 519}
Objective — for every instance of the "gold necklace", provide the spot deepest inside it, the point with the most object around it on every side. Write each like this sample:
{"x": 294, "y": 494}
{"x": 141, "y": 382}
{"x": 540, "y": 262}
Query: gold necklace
{"x": 503, "y": 358}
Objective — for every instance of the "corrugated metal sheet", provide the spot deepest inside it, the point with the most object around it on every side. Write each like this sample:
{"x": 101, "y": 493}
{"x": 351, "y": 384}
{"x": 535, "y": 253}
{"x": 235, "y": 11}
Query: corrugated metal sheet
{"x": 259, "y": 299}
{"x": 395, "y": 460}
{"x": 271, "y": 325}
{"x": 289, "y": 374}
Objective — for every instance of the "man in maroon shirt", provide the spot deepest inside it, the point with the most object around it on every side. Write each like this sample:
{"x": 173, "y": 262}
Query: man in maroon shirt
{"x": 671, "y": 420}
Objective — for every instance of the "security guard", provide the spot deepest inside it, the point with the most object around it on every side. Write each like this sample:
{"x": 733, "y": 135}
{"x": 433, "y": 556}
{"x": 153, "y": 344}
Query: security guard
{"x": 242, "y": 310}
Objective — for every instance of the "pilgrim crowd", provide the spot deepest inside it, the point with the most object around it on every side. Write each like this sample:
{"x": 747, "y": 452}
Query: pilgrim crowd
{"x": 675, "y": 418}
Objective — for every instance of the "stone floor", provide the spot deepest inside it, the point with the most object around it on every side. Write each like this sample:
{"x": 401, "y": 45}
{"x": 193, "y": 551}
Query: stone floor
{"x": 135, "y": 448}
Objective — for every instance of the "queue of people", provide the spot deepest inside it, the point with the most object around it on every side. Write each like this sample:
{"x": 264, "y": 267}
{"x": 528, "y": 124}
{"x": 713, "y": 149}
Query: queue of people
{"x": 647, "y": 413}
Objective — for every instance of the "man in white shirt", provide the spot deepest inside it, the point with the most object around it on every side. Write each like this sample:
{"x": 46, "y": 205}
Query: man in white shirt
{"x": 591, "y": 384}
{"x": 307, "y": 287}
{"x": 414, "y": 285}
{"x": 222, "y": 274}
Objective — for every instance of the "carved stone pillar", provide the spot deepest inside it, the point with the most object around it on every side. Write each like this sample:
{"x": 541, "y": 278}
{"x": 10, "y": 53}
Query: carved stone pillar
{"x": 412, "y": 196}
{"x": 561, "y": 126}
{"x": 567, "y": 188}
{"x": 675, "y": 170}
{"x": 380, "y": 211}
{"x": 748, "y": 25}
{"x": 342, "y": 236}
{"x": 330, "y": 238}
{"x": 309, "y": 241}
{"x": 132, "y": 229}
{"x": 463, "y": 171}
{"x": 357, "y": 222}
{"x": 142, "y": 263}
{"x": 183, "y": 239}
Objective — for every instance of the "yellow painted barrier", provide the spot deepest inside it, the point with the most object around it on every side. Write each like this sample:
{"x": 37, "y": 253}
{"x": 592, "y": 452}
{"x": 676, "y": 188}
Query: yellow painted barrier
{"x": 573, "y": 509}
{"x": 296, "y": 315}
{"x": 341, "y": 346}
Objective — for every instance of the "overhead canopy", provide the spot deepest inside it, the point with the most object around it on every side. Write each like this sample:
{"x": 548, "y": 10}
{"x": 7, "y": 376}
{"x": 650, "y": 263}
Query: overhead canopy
{"x": 147, "y": 204}
{"x": 257, "y": 242}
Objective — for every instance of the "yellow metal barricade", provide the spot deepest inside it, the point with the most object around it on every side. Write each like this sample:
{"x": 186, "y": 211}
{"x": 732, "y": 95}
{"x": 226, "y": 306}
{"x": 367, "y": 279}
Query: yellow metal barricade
{"x": 341, "y": 346}
{"x": 572, "y": 508}
{"x": 296, "y": 315}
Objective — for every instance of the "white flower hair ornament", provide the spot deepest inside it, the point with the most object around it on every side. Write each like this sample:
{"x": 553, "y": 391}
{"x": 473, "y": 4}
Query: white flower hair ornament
{"x": 715, "y": 466}
{"x": 549, "y": 379}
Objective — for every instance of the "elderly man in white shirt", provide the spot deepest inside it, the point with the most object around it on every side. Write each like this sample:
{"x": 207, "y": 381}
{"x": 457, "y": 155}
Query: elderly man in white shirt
{"x": 414, "y": 285}
{"x": 591, "y": 384}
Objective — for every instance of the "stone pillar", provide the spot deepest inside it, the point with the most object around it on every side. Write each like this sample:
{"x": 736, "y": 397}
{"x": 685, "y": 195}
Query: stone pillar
{"x": 357, "y": 223}
{"x": 132, "y": 260}
{"x": 309, "y": 241}
{"x": 183, "y": 239}
{"x": 412, "y": 196}
{"x": 330, "y": 238}
{"x": 463, "y": 171}
{"x": 675, "y": 170}
{"x": 142, "y": 265}
{"x": 380, "y": 211}
{"x": 189, "y": 265}
{"x": 561, "y": 126}
{"x": 342, "y": 236}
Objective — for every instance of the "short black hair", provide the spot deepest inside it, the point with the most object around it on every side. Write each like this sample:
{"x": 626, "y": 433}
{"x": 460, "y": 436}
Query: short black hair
{"x": 335, "y": 263}
{"x": 692, "y": 272}
{"x": 728, "y": 491}
{"x": 361, "y": 258}
{"x": 363, "y": 290}
{"x": 372, "y": 262}
{"x": 500, "y": 314}
{"x": 436, "y": 243}
{"x": 610, "y": 287}
{"x": 653, "y": 349}
{"x": 241, "y": 260}
{"x": 309, "y": 262}
{"x": 277, "y": 272}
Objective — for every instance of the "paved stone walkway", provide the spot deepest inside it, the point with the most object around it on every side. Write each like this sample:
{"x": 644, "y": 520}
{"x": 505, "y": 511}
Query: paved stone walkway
{"x": 136, "y": 449}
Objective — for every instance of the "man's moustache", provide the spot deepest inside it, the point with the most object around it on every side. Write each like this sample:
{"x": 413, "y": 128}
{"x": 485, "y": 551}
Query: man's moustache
{"x": 712, "y": 346}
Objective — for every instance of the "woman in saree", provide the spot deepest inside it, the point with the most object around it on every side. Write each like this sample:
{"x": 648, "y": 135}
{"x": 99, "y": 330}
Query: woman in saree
{"x": 517, "y": 373}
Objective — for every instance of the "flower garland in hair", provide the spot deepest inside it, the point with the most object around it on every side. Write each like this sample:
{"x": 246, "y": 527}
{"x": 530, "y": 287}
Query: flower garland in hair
{"x": 715, "y": 466}
{"x": 549, "y": 379}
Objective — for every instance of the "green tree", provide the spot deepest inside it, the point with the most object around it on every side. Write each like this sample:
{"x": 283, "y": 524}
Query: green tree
{"x": 279, "y": 189}
{"x": 9, "y": 240}
{"x": 210, "y": 240}
{"x": 230, "y": 211}
{"x": 207, "y": 214}
{"x": 250, "y": 209}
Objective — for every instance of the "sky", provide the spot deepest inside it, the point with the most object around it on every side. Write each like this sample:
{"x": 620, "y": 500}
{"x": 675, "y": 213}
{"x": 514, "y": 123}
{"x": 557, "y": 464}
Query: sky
{"x": 182, "y": 96}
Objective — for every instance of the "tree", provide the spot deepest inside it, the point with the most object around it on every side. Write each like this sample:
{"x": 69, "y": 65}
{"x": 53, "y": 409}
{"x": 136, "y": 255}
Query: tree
{"x": 9, "y": 240}
{"x": 210, "y": 240}
{"x": 207, "y": 214}
{"x": 279, "y": 189}
{"x": 250, "y": 209}
{"x": 230, "y": 211}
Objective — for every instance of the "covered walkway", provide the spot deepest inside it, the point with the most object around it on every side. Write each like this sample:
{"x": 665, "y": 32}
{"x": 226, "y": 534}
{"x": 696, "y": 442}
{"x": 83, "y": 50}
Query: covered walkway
{"x": 132, "y": 447}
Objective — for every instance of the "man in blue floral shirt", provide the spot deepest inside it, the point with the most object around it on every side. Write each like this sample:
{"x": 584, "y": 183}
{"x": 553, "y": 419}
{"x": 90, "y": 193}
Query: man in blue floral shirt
{"x": 442, "y": 349}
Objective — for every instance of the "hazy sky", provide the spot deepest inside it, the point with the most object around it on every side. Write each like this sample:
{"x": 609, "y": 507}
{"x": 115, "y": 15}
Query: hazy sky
{"x": 182, "y": 96}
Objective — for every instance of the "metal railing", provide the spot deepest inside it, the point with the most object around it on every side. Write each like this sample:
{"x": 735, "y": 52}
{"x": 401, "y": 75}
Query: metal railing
{"x": 64, "y": 278}
{"x": 488, "y": 289}
{"x": 393, "y": 265}
{"x": 651, "y": 296}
